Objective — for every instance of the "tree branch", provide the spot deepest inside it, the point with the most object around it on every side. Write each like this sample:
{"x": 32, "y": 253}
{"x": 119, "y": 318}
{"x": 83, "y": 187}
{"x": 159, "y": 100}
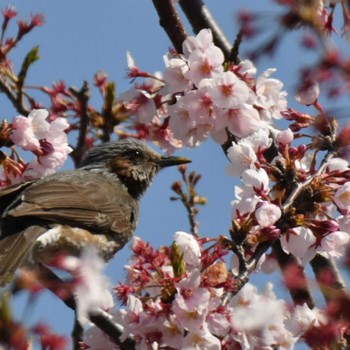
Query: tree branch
{"x": 328, "y": 277}
{"x": 171, "y": 22}
{"x": 200, "y": 18}
{"x": 298, "y": 288}
{"x": 100, "y": 318}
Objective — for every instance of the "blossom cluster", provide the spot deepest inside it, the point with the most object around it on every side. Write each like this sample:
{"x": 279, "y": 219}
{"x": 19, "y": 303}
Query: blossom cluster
{"x": 174, "y": 300}
{"x": 196, "y": 97}
{"x": 45, "y": 138}
{"x": 316, "y": 223}
{"x": 200, "y": 96}
{"x": 175, "y": 296}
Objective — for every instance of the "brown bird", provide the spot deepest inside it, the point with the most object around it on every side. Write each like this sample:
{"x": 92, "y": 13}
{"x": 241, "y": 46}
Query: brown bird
{"x": 94, "y": 205}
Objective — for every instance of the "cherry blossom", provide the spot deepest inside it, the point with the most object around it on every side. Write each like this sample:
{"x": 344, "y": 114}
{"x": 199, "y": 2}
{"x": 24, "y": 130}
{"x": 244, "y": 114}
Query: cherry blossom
{"x": 267, "y": 214}
{"x": 285, "y": 137}
{"x": 270, "y": 96}
{"x": 308, "y": 93}
{"x": 202, "y": 41}
{"x": 227, "y": 90}
{"x": 342, "y": 198}
{"x": 92, "y": 287}
{"x": 294, "y": 194}
{"x": 207, "y": 64}
{"x": 300, "y": 242}
{"x": 242, "y": 157}
{"x": 302, "y": 318}
{"x": 46, "y": 139}
{"x": 189, "y": 247}
{"x": 175, "y": 76}
{"x": 334, "y": 244}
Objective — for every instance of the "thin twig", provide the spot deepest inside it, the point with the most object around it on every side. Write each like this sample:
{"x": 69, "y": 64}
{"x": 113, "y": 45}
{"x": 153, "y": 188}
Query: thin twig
{"x": 12, "y": 96}
{"x": 245, "y": 268}
{"x": 234, "y": 54}
{"x": 83, "y": 96}
{"x": 300, "y": 187}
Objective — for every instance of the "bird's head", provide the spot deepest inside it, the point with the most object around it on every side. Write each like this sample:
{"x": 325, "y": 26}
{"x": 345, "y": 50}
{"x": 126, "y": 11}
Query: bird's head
{"x": 131, "y": 160}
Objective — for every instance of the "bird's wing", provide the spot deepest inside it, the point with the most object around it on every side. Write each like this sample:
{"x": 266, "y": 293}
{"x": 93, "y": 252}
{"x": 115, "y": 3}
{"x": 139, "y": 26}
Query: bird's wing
{"x": 80, "y": 198}
{"x": 14, "y": 249}
{"x": 9, "y": 193}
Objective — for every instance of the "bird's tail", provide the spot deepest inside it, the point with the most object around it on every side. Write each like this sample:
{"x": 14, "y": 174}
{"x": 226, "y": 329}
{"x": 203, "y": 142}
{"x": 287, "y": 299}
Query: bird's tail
{"x": 14, "y": 249}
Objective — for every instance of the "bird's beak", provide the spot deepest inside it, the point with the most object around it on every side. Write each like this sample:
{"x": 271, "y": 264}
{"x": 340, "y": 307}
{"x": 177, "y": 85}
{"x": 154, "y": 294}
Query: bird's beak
{"x": 165, "y": 161}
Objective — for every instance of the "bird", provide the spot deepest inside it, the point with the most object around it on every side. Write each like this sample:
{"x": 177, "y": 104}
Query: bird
{"x": 95, "y": 205}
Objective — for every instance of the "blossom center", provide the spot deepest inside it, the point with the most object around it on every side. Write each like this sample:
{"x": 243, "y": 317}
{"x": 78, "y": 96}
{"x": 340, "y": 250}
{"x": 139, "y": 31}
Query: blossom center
{"x": 227, "y": 89}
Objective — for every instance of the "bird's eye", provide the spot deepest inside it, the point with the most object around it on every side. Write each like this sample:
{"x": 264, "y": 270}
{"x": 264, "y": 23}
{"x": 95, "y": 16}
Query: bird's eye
{"x": 135, "y": 155}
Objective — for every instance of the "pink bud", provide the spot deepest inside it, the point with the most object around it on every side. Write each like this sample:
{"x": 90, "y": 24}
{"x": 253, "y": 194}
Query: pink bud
{"x": 285, "y": 137}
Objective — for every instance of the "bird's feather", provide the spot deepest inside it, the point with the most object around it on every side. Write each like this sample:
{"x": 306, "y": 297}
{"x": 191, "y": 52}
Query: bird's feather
{"x": 86, "y": 199}
{"x": 14, "y": 249}
{"x": 10, "y": 193}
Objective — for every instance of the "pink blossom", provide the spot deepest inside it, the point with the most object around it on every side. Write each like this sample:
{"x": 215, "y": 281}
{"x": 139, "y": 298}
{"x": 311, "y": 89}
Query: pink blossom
{"x": 308, "y": 94}
{"x": 189, "y": 247}
{"x": 337, "y": 164}
{"x": 200, "y": 340}
{"x": 244, "y": 205}
{"x": 260, "y": 139}
{"x": 173, "y": 333}
{"x": 270, "y": 97}
{"x": 23, "y": 134}
{"x": 334, "y": 244}
{"x": 140, "y": 103}
{"x": 191, "y": 302}
{"x": 200, "y": 106}
{"x": 205, "y": 64}
{"x": 285, "y": 137}
{"x": 302, "y": 318}
{"x": 184, "y": 128}
{"x": 240, "y": 122}
{"x": 9, "y": 12}
{"x": 247, "y": 69}
{"x": 267, "y": 214}
{"x": 227, "y": 90}
{"x": 263, "y": 313}
{"x": 255, "y": 181}
{"x": 269, "y": 264}
{"x": 241, "y": 156}
{"x": 175, "y": 76}
{"x": 218, "y": 324}
{"x": 47, "y": 140}
{"x": 342, "y": 197}
{"x": 92, "y": 287}
{"x": 202, "y": 41}
{"x": 344, "y": 223}
{"x": 299, "y": 243}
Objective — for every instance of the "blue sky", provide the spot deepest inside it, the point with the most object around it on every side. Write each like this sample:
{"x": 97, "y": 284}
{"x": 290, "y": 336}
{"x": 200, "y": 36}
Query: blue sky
{"x": 82, "y": 36}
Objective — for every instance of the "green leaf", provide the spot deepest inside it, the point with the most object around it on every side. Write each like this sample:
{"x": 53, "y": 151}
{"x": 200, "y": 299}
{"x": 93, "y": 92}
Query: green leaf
{"x": 177, "y": 261}
{"x": 31, "y": 57}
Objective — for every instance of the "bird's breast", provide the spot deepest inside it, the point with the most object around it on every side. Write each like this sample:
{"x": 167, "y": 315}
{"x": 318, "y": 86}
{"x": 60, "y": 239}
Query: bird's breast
{"x": 63, "y": 240}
